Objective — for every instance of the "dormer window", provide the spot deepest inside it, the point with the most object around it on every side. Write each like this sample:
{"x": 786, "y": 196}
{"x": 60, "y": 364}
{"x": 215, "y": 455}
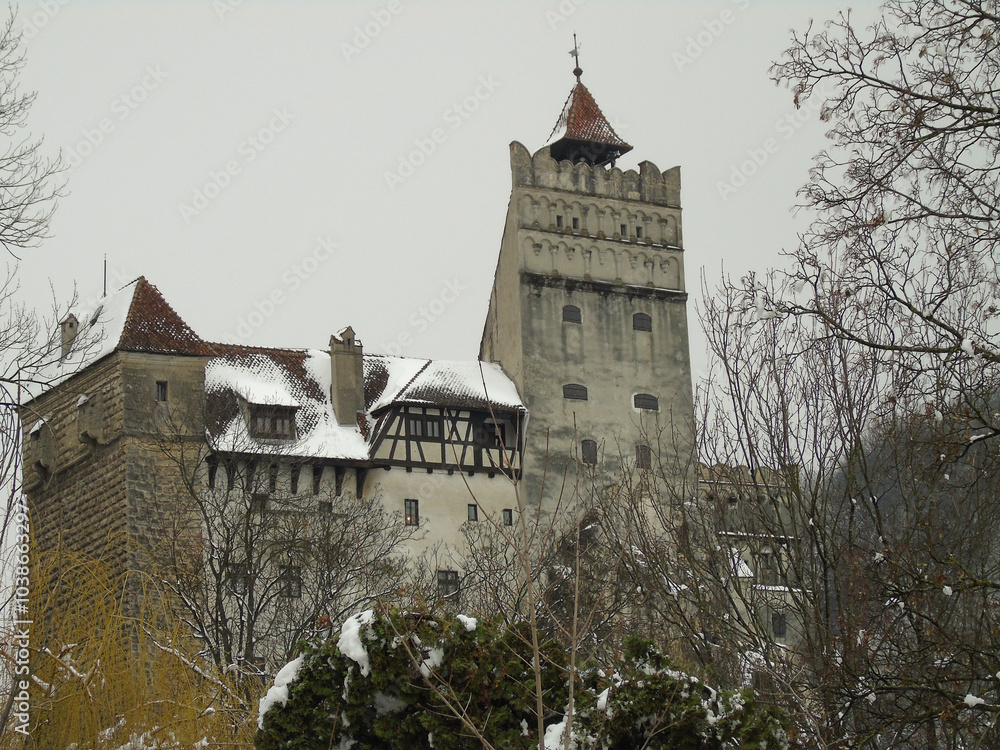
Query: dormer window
{"x": 274, "y": 422}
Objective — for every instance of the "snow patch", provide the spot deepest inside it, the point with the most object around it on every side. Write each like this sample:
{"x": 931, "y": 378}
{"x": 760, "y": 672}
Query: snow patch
{"x": 349, "y": 643}
{"x": 278, "y": 693}
{"x": 470, "y": 623}
{"x": 973, "y": 700}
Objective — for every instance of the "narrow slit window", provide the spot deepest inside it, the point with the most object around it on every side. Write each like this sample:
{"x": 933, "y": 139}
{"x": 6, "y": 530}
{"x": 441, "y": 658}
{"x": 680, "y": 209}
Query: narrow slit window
{"x": 638, "y": 233}
{"x": 272, "y": 478}
{"x": 576, "y": 223}
{"x": 646, "y": 401}
{"x": 161, "y": 391}
{"x": 643, "y": 457}
{"x": 642, "y": 322}
{"x": 572, "y": 314}
{"x": 624, "y": 228}
{"x": 317, "y": 478}
{"x": 575, "y": 392}
{"x": 294, "y": 480}
{"x": 473, "y": 512}
{"x": 508, "y": 516}
{"x": 779, "y": 624}
{"x": 559, "y": 221}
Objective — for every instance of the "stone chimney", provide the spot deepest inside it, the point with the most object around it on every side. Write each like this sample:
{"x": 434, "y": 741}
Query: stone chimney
{"x": 347, "y": 385}
{"x": 69, "y": 327}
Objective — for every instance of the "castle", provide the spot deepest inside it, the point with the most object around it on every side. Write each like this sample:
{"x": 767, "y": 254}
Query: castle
{"x": 583, "y": 372}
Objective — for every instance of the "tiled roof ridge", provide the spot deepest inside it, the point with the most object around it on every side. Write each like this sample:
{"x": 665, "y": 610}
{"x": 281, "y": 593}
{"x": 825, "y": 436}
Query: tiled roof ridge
{"x": 401, "y": 391}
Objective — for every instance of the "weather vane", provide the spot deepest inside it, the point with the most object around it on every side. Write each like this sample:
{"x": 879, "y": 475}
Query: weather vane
{"x": 575, "y": 52}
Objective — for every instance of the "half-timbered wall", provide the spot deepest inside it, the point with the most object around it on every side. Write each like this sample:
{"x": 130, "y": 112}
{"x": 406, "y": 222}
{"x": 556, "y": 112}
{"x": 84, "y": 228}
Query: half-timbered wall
{"x": 424, "y": 437}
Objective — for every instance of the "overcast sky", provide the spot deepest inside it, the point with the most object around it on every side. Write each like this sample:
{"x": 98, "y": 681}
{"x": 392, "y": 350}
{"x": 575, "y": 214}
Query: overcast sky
{"x": 260, "y": 161}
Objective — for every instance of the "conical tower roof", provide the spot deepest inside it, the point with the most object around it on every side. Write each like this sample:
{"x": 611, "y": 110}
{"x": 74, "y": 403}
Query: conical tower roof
{"x": 583, "y": 133}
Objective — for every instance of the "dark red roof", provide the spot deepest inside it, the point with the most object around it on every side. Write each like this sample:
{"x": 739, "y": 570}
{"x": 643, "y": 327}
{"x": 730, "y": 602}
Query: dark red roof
{"x": 582, "y": 120}
{"x": 153, "y": 326}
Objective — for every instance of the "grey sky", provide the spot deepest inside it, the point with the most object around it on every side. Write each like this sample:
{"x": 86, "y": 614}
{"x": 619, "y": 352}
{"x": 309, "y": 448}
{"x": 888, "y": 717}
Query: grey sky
{"x": 301, "y": 125}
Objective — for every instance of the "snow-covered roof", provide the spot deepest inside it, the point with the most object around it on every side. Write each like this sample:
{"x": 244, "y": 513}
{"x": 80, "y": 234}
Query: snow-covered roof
{"x": 278, "y": 377}
{"x": 469, "y": 384}
{"x": 134, "y": 318}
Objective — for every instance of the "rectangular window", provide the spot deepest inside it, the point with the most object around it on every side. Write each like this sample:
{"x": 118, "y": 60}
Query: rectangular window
{"x": 624, "y": 228}
{"x": 415, "y": 427}
{"x": 643, "y": 459}
{"x": 161, "y": 391}
{"x": 294, "y": 480}
{"x": 411, "y": 512}
{"x": 258, "y": 503}
{"x": 448, "y": 583}
{"x": 272, "y": 478}
{"x": 508, "y": 517}
{"x": 559, "y": 221}
{"x": 588, "y": 451}
{"x": 317, "y": 478}
{"x": 779, "y": 624}
{"x": 576, "y": 223}
{"x": 638, "y": 233}
{"x": 325, "y": 506}
{"x": 237, "y": 578}
{"x": 473, "y": 512}
{"x": 433, "y": 427}
{"x": 290, "y": 581}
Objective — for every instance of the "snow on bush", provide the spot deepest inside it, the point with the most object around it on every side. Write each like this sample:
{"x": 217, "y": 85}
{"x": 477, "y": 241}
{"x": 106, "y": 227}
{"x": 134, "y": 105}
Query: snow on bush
{"x": 278, "y": 693}
{"x": 350, "y": 644}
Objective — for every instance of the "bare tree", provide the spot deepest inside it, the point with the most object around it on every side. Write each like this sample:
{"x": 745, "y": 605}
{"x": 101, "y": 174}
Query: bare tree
{"x": 263, "y": 553}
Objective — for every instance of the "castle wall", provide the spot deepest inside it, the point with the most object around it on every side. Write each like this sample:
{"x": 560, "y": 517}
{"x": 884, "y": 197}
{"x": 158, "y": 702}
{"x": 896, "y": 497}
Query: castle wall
{"x": 74, "y": 464}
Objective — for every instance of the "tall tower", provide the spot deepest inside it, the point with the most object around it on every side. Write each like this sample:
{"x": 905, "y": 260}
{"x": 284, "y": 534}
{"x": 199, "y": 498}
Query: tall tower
{"x": 588, "y": 313}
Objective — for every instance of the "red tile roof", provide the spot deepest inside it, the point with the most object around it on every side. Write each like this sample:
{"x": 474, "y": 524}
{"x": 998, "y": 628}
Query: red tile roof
{"x": 153, "y": 326}
{"x": 582, "y": 120}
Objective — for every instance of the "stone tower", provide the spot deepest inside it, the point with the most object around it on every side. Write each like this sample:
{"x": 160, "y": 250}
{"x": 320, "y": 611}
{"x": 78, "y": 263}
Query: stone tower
{"x": 588, "y": 313}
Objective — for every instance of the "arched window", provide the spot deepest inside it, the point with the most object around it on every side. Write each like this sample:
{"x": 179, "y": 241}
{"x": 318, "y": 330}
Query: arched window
{"x": 575, "y": 391}
{"x": 588, "y": 451}
{"x": 571, "y": 314}
{"x": 646, "y": 401}
{"x": 642, "y": 322}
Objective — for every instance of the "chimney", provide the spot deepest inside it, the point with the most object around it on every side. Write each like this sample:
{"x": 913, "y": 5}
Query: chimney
{"x": 69, "y": 328}
{"x": 347, "y": 385}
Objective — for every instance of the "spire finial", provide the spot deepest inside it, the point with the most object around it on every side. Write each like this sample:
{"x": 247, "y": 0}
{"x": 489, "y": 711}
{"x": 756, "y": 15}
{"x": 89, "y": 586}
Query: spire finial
{"x": 575, "y": 52}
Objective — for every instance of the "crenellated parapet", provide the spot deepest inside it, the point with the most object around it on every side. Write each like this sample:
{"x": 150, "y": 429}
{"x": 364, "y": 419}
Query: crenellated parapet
{"x": 648, "y": 185}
